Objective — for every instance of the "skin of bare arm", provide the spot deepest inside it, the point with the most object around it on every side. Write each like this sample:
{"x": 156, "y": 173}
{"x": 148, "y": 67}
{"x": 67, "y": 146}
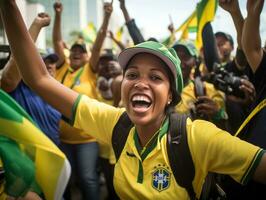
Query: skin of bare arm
{"x": 30, "y": 63}
{"x": 11, "y": 76}
{"x": 57, "y": 34}
{"x": 251, "y": 39}
{"x": 95, "y": 52}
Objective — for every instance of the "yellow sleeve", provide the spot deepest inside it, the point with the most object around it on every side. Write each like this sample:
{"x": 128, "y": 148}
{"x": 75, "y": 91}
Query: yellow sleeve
{"x": 187, "y": 99}
{"x": 215, "y": 150}
{"x": 61, "y": 71}
{"x": 215, "y": 94}
{"x": 95, "y": 117}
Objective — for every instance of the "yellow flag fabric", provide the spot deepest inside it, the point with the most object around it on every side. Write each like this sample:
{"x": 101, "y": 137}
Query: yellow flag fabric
{"x": 190, "y": 22}
{"x": 89, "y": 33}
{"x": 206, "y": 10}
{"x": 52, "y": 169}
{"x": 189, "y": 26}
{"x": 119, "y": 33}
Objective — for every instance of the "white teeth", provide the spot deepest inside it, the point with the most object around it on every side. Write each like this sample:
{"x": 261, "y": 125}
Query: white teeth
{"x": 141, "y": 98}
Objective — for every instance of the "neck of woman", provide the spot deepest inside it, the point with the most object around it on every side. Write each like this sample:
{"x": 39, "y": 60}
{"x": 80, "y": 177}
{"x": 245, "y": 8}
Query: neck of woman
{"x": 147, "y": 131}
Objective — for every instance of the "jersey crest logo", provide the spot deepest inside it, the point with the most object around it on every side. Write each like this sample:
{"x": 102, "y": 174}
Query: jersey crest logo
{"x": 161, "y": 179}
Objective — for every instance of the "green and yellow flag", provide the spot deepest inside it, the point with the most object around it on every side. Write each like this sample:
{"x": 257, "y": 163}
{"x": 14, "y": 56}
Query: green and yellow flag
{"x": 18, "y": 169}
{"x": 119, "y": 33}
{"x": 206, "y": 10}
{"x": 169, "y": 41}
{"x": 190, "y": 23}
{"x": 188, "y": 26}
{"x": 204, "y": 13}
{"x": 52, "y": 169}
{"x": 89, "y": 33}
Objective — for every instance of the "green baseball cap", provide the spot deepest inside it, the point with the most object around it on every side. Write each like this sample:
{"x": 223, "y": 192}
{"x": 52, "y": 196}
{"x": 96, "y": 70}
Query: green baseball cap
{"x": 157, "y": 49}
{"x": 188, "y": 45}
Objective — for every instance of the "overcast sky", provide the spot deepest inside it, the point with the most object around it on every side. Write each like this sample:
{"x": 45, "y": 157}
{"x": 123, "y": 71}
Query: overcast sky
{"x": 152, "y": 16}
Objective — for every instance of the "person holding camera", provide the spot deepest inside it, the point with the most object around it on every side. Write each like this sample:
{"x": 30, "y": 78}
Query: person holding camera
{"x": 253, "y": 129}
{"x": 226, "y": 73}
{"x": 199, "y": 98}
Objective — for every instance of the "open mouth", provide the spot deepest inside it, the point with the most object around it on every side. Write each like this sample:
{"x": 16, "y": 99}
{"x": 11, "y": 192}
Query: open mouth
{"x": 141, "y": 102}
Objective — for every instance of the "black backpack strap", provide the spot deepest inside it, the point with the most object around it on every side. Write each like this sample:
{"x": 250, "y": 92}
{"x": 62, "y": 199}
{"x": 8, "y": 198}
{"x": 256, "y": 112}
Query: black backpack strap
{"x": 120, "y": 134}
{"x": 179, "y": 154}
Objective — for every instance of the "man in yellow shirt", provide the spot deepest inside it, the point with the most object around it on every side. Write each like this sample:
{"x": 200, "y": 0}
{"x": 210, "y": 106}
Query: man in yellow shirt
{"x": 79, "y": 73}
{"x": 210, "y": 104}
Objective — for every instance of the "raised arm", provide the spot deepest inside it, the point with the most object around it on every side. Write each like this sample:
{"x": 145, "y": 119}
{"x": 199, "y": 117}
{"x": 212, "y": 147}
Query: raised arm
{"x": 96, "y": 49}
{"x": 233, "y": 8}
{"x": 118, "y": 43}
{"x": 57, "y": 34}
{"x": 11, "y": 76}
{"x": 124, "y": 11}
{"x": 131, "y": 25}
{"x": 251, "y": 39}
{"x": 30, "y": 63}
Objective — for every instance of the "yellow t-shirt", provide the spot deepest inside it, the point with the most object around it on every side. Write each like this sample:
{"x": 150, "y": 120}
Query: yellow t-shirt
{"x": 188, "y": 97}
{"x": 82, "y": 81}
{"x": 212, "y": 149}
{"x": 106, "y": 150}
{"x": 3, "y": 195}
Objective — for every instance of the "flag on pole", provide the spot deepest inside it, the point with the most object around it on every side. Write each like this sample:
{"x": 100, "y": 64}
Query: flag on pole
{"x": 206, "y": 10}
{"x": 119, "y": 33}
{"x": 19, "y": 178}
{"x": 204, "y": 13}
{"x": 52, "y": 169}
{"x": 89, "y": 33}
{"x": 190, "y": 22}
{"x": 189, "y": 26}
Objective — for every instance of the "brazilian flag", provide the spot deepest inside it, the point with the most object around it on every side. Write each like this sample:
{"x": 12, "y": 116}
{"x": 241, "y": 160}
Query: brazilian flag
{"x": 89, "y": 33}
{"x": 33, "y": 151}
{"x": 206, "y": 10}
{"x": 18, "y": 168}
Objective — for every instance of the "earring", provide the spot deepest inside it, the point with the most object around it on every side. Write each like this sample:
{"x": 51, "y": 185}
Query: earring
{"x": 168, "y": 102}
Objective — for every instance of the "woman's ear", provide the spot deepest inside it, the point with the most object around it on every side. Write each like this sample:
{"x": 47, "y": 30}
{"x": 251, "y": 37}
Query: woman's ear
{"x": 170, "y": 98}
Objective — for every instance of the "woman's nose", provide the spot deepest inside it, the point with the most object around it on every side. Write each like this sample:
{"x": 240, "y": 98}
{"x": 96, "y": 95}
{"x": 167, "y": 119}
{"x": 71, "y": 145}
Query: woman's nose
{"x": 141, "y": 84}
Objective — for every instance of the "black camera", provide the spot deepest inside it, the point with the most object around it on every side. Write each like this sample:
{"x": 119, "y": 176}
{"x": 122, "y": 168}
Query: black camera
{"x": 226, "y": 81}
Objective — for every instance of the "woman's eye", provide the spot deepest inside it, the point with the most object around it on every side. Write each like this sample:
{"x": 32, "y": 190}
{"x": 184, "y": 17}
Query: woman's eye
{"x": 155, "y": 77}
{"x": 131, "y": 75}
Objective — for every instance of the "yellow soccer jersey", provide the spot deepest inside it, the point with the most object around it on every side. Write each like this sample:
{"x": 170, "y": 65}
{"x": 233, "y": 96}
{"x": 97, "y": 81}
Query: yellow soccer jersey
{"x": 105, "y": 149}
{"x": 82, "y": 81}
{"x": 3, "y": 196}
{"x": 188, "y": 97}
{"x": 147, "y": 175}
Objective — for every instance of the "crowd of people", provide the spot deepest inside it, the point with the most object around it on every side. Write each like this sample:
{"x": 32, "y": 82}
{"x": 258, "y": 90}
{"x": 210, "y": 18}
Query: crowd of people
{"x": 79, "y": 100}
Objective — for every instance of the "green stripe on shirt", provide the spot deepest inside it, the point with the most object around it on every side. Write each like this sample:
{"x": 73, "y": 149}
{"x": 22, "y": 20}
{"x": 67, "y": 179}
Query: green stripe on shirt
{"x": 74, "y": 110}
{"x": 252, "y": 167}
